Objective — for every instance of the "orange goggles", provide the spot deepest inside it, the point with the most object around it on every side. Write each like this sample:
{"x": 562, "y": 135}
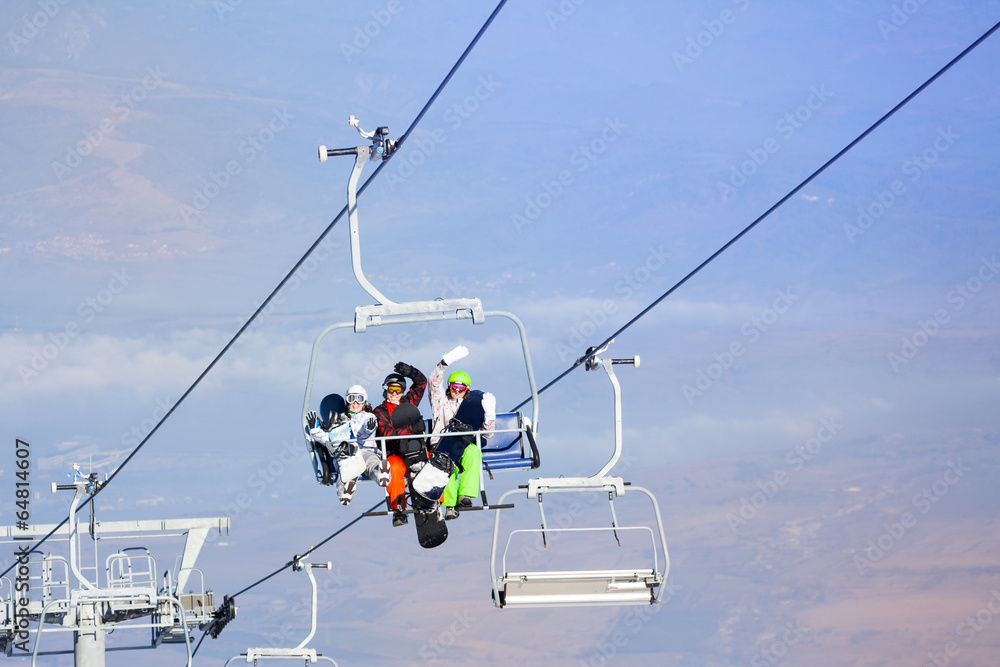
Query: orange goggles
{"x": 394, "y": 389}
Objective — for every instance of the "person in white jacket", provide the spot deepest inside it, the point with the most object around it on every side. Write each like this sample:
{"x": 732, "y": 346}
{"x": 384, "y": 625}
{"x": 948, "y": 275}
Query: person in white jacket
{"x": 346, "y": 429}
{"x": 480, "y": 414}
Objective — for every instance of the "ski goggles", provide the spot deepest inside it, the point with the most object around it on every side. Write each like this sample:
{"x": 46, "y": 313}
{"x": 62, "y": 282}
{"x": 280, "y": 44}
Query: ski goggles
{"x": 355, "y": 398}
{"x": 394, "y": 389}
{"x": 458, "y": 386}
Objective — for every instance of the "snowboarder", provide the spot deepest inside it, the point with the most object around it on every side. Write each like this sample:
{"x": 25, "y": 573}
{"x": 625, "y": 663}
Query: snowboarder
{"x": 393, "y": 395}
{"x": 456, "y": 407}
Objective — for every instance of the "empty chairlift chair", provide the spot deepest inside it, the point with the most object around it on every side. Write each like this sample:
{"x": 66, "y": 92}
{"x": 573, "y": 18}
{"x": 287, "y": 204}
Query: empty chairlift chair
{"x": 300, "y": 652}
{"x": 637, "y": 583}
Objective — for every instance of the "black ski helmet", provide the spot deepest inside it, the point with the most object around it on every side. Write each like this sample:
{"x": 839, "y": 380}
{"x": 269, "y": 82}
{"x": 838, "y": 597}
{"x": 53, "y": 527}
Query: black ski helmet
{"x": 394, "y": 378}
{"x": 332, "y": 408}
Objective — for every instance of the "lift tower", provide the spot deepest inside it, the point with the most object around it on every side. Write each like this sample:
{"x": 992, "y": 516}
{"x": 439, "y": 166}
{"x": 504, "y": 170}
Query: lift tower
{"x": 67, "y": 595}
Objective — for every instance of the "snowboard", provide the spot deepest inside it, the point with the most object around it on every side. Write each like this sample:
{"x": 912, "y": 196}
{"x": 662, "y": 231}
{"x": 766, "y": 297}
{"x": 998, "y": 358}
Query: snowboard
{"x": 432, "y": 531}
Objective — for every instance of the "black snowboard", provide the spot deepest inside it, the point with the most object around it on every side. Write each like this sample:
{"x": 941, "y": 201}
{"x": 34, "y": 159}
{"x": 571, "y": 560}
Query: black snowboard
{"x": 432, "y": 530}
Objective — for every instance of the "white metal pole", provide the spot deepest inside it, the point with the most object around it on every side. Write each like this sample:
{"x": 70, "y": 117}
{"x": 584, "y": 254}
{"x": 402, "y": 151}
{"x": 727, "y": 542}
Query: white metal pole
{"x": 89, "y": 639}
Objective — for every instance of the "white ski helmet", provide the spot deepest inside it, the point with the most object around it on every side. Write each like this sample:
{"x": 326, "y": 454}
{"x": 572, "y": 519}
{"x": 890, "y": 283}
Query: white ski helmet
{"x": 357, "y": 389}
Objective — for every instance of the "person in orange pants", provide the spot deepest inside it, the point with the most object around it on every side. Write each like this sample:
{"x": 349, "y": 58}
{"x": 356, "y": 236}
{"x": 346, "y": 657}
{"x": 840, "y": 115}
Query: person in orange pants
{"x": 393, "y": 395}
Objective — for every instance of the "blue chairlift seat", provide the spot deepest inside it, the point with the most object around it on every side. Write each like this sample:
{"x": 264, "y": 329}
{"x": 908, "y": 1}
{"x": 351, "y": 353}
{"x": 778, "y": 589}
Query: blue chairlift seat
{"x": 507, "y": 449}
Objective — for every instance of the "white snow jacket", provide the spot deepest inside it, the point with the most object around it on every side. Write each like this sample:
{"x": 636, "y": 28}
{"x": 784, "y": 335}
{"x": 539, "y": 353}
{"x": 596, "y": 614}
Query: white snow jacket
{"x": 356, "y": 429}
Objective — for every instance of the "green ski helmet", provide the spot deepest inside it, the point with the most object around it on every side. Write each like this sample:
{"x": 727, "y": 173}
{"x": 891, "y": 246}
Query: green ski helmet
{"x": 460, "y": 376}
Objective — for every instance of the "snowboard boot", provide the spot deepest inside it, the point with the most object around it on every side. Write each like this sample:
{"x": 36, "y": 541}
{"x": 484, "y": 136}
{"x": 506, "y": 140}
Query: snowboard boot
{"x": 347, "y": 493}
{"x": 383, "y": 473}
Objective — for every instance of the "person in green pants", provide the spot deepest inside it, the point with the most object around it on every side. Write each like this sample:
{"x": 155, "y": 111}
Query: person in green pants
{"x": 447, "y": 401}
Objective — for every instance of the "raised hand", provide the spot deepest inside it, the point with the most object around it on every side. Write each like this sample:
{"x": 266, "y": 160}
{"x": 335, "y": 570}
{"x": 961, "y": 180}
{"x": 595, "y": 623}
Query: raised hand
{"x": 489, "y": 407}
{"x": 459, "y": 352}
{"x": 405, "y": 370}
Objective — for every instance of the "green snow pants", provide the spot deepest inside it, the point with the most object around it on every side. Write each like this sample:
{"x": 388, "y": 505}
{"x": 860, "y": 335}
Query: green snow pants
{"x": 467, "y": 483}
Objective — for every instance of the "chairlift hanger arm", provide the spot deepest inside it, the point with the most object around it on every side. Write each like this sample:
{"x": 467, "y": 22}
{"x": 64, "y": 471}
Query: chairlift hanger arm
{"x": 593, "y": 363}
{"x": 381, "y": 148}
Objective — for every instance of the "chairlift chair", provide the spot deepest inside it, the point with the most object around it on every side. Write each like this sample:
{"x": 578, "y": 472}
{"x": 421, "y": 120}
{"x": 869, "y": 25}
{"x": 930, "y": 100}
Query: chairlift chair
{"x": 613, "y": 586}
{"x": 513, "y": 446}
{"x": 300, "y": 652}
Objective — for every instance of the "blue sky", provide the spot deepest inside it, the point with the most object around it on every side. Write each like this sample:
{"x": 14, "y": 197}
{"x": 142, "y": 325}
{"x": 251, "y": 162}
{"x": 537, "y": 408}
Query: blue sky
{"x": 158, "y": 177}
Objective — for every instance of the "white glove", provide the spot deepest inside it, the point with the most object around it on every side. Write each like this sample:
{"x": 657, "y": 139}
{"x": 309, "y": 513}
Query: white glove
{"x": 319, "y": 435}
{"x": 459, "y": 352}
{"x": 489, "y": 407}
